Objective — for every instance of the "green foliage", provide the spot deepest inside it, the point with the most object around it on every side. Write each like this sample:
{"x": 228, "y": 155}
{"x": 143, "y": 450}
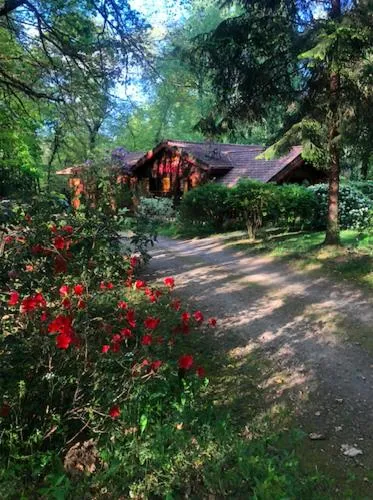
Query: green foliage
{"x": 366, "y": 187}
{"x": 250, "y": 204}
{"x": 204, "y": 209}
{"x": 155, "y": 210}
{"x": 355, "y": 209}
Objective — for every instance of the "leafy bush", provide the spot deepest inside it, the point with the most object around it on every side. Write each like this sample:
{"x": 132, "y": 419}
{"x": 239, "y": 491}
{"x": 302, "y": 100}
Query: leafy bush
{"x": 251, "y": 203}
{"x": 156, "y": 210}
{"x": 101, "y": 392}
{"x": 366, "y": 187}
{"x": 355, "y": 209}
{"x": 204, "y": 208}
{"x": 292, "y": 206}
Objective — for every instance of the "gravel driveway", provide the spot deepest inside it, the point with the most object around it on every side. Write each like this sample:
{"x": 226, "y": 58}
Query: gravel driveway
{"x": 304, "y": 326}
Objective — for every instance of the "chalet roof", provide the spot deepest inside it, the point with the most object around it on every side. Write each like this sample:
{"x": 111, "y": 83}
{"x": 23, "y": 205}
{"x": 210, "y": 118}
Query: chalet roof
{"x": 229, "y": 162}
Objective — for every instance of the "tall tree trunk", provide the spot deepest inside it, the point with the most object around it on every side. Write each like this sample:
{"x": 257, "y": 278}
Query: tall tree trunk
{"x": 332, "y": 230}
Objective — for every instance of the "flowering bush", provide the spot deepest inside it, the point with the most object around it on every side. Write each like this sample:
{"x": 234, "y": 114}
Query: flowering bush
{"x": 100, "y": 386}
{"x": 355, "y": 209}
{"x": 156, "y": 210}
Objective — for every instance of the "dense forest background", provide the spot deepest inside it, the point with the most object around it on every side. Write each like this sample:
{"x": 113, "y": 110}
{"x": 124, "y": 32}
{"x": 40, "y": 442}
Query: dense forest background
{"x": 78, "y": 79}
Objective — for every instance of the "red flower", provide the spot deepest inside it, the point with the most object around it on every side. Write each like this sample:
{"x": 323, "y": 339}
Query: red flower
{"x": 200, "y": 372}
{"x": 61, "y": 324}
{"x": 114, "y": 411}
{"x": 186, "y": 362}
{"x": 60, "y": 265}
{"x": 109, "y": 285}
{"x": 130, "y": 317}
{"x": 78, "y": 289}
{"x": 44, "y": 316}
{"x": 212, "y": 322}
{"x": 148, "y": 292}
{"x": 13, "y": 299}
{"x": 66, "y": 303}
{"x": 122, "y": 304}
{"x": 156, "y": 365}
{"x": 105, "y": 348}
{"x": 134, "y": 261}
{"x": 8, "y": 239}
{"x": 170, "y": 282}
{"x": 81, "y": 304}
{"x": 198, "y": 316}
{"x": 53, "y": 229}
{"x": 64, "y": 290}
{"x": 116, "y": 338}
{"x": 126, "y": 332}
{"x": 146, "y": 340}
{"x": 68, "y": 229}
{"x": 152, "y": 298}
{"x": 139, "y": 284}
{"x": 102, "y": 285}
{"x": 185, "y": 317}
{"x": 63, "y": 341}
{"x": 28, "y": 304}
{"x": 176, "y": 304}
{"x": 29, "y": 268}
{"x": 116, "y": 347}
{"x": 151, "y": 323}
{"x": 40, "y": 300}
{"x": 59, "y": 242}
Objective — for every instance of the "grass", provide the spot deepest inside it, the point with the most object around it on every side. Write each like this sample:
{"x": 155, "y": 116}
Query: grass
{"x": 352, "y": 261}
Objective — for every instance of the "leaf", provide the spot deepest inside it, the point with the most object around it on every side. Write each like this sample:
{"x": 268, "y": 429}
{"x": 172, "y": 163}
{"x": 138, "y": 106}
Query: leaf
{"x": 143, "y": 423}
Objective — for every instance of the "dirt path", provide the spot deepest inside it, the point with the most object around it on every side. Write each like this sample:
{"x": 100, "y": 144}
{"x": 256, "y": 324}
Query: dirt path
{"x": 305, "y": 326}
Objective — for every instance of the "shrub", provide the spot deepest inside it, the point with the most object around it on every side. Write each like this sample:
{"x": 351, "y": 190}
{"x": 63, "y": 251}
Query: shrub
{"x": 251, "y": 203}
{"x": 156, "y": 210}
{"x": 366, "y": 187}
{"x": 292, "y": 206}
{"x": 355, "y": 209}
{"x": 204, "y": 208}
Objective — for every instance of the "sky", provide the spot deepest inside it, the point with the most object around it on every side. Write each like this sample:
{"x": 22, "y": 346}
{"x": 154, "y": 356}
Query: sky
{"x": 161, "y": 15}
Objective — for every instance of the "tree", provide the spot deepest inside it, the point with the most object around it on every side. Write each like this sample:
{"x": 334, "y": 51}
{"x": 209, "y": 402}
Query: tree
{"x": 278, "y": 55}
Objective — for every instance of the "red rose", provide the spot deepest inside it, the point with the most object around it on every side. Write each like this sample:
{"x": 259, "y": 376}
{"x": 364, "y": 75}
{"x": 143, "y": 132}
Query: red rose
{"x": 176, "y": 304}
{"x": 151, "y": 323}
{"x": 64, "y": 290}
{"x": 198, "y": 316}
{"x": 146, "y": 340}
{"x": 212, "y": 322}
{"x": 78, "y": 289}
{"x": 63, "y": 341}
{"x": 66, "y": 303}
{"x": 130, "y": 317}
{"x": 68, "y": 229}
{"x": 134, "y": 261}
{"x": 156, "y": 365}
{"x": 109, "y": 285}
{"x": 126, "y": 332}
{"x": 44, "y": 316}
{"x": 13, "y": 298}
{"x": 114, "y": 411}
{"x": 59, "y": 242}
{"x": 105, "y": 348}
{"x": 122, "y": 304}
{"x": 200, "y": 372}
{"x": 170, "y": 282}
{"x": 185, "y": 317}
{"x": 102, "y": 286}
{"x": 139, "y": 284}
{"x": 186, "y": 362}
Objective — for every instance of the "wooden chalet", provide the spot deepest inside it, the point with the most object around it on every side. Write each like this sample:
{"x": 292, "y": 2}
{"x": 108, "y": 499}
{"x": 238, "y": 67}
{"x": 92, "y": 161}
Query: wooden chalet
{"x": 174, "y": 167}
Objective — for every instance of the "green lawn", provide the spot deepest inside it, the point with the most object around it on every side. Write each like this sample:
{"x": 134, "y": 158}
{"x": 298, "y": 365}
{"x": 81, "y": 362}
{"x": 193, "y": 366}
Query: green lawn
{"x": 353, "y": 261}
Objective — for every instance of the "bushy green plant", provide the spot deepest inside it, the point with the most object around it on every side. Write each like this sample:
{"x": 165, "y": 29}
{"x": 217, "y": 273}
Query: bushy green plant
{"x": 205, "y": 208}
{"x": 355, "y": 209}
{"x": 156, "y": 210}
{"x": 366, "y": 187}
{"x": 292, "y": 206}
